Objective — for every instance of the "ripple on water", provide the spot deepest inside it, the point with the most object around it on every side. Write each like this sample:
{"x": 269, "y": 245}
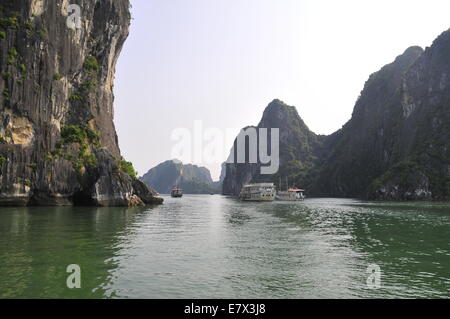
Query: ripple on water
{"x": 214, "y": 246}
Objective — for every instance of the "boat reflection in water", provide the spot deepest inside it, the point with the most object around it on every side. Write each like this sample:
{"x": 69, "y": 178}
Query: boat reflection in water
{"x": 260, "y": 192}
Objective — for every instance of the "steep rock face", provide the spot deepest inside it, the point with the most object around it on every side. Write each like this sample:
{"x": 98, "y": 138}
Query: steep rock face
{"x": 396, "y": 146}
{"x": 191, "y": 178}
{"x": 58, "y": 144}
{"x": 422, "y": 170}
{"x": 299, "y": 151}
{"x": 374, "y": 138}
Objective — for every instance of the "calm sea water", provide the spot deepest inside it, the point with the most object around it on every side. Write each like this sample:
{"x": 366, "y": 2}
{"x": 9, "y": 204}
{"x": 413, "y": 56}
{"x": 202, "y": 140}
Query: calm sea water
{"x": 214, "y": 246}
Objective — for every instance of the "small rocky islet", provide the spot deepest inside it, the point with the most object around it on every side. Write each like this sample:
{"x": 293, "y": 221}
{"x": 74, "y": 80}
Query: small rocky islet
{"x": 192, "y": 179}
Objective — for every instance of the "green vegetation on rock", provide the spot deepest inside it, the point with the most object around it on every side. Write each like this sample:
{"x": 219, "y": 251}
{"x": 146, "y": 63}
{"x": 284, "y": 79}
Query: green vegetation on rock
{"x": 73, "y": 134}
{"x": 91, "y": 64}
{"x": 75, "y": 97}
{"x": 79, "y": 134}
{"x": 12, "y": 55}
{"x": 88, "y": 86}
{"x": 35, "y": 104}
{"x": 127, "y": 167}
{"x": 9, "y": 23}
{"x": 86, "y": 138}
{"x": 42, "y": 33}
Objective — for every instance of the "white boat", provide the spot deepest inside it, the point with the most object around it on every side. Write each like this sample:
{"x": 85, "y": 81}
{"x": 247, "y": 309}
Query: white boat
{"x": 260, "y": 192}
{"x": 292, "y": 195}
{"x": 176, "y": 192}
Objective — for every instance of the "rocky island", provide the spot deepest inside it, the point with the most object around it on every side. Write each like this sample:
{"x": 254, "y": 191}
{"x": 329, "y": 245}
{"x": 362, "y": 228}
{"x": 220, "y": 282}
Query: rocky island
{"x": 396, "y": 146}
{"x": 192, "y": 179}
{"x": 58, "y": 144}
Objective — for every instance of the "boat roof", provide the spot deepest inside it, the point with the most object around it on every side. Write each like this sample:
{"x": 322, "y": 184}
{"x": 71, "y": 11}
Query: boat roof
{"x": 296, "y": 190}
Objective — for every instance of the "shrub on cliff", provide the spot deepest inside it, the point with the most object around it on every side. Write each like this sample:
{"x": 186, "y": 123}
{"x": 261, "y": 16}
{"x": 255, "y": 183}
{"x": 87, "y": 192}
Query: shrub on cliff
{"x": 2, "y": 160}
{"x": 91, "y": 64}
{"x": 79, "y": 134}
{"x": 127, "y": 167}
{"x": 9, "y": 23}
{"x": 73, "y": 134}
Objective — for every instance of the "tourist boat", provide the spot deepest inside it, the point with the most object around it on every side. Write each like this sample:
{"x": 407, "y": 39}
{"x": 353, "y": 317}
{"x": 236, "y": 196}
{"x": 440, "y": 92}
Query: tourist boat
{"x": 292, "y": 194}
{"x": 260, "y": 192}
{"x": 176, "y": 192}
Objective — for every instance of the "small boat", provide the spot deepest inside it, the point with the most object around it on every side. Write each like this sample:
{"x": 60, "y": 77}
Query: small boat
{"x": 176, "y": 192}
{"x": 292, "y": 194}
{"x": 260, "y": 192}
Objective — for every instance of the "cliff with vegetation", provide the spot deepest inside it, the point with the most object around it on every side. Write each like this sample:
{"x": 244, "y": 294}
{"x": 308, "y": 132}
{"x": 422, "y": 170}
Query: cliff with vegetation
{"x": 396, "y": 146}
{"x": 192, "y": 179}
{"x": 58, "y": 144}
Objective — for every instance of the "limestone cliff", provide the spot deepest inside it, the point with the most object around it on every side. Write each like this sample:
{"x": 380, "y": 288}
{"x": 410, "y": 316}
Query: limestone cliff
{"x": 58, "y": 144}
{"x": 374, "y": 138}
{"x": 396, "y": 145}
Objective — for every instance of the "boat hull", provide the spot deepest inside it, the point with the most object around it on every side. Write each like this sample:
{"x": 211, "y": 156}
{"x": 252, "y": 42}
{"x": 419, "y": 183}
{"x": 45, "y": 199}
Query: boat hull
{"x": 256, "y": 199}
{"x": 289, "y": 196}
{"x": 282, "y": 199}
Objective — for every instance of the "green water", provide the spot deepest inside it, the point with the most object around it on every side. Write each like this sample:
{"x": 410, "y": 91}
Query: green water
{"x": 213, "y": 246}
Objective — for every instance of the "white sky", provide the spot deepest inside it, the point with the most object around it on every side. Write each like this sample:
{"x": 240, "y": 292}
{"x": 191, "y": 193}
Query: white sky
{"x": 223, "y": 61}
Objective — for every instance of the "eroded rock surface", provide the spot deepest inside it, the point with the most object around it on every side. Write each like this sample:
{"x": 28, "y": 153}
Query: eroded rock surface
{"x": 58, "y": 144}
{"x": 396, "y": 146}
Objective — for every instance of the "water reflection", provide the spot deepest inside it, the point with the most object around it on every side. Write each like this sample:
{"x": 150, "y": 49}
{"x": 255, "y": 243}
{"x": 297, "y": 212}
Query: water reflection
{"x": 37, "y": 244}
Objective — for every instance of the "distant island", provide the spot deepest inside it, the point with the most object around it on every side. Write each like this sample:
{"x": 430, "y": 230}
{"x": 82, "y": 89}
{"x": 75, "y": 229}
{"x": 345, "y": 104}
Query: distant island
{"x": 192, "y": 179}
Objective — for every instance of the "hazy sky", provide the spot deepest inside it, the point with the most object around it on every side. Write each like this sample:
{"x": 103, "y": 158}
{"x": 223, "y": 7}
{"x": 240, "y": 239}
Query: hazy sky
{"x": 223, "y": 61}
